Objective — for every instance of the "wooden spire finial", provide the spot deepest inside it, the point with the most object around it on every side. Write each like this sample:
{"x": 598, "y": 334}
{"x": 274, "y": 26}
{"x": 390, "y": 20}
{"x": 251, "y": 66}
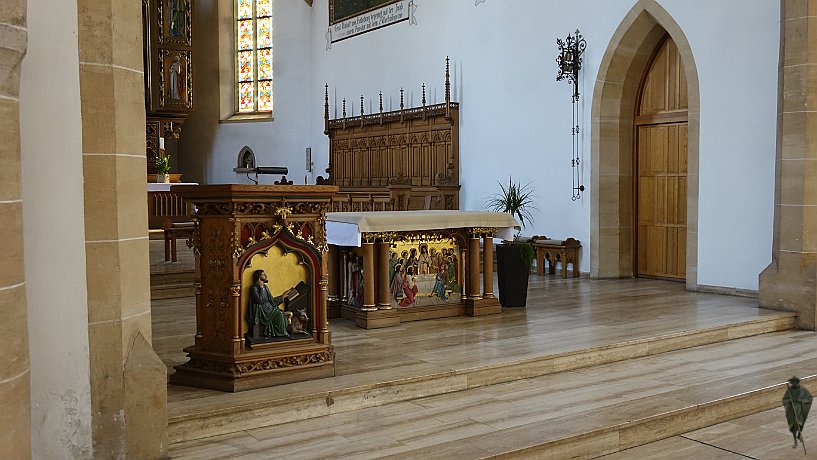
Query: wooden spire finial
{"x": 447, "y": 91}
{"x": 381, "y": 107}
{"x": 447, "y": 82}
{"x": 326, "y": 109}
{"x": 424, "y": 94}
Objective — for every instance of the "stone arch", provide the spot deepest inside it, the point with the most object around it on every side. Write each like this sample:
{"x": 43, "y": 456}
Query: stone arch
{"x": 612, "y": 136}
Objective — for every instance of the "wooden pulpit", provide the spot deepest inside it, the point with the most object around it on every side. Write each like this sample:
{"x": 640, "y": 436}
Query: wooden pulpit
{"x": 240, "y": 231}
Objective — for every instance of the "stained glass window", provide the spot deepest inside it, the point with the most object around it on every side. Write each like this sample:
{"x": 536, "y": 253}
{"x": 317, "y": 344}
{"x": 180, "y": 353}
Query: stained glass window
{"x": 253, "y": 55}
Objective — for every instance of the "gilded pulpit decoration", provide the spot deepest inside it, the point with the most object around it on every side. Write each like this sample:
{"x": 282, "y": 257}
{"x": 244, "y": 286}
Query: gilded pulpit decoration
{"x": 261, "y": 286}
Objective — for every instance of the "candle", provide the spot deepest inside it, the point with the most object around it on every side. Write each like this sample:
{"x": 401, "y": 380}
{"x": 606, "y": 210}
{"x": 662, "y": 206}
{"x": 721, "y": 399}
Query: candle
{"x": 161, "y": 143}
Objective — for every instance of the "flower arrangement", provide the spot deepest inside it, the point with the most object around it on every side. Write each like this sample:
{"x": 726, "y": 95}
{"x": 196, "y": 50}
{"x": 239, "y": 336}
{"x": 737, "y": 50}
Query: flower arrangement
{"x": 163, "y": 164}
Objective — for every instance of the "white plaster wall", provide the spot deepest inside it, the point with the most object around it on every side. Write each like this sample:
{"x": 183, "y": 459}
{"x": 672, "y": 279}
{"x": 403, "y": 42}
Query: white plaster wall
{"x": 209, "y": 148}
{"x": 737, "y": 59}
{"x": 51, "y": 136}
{"x": 515, "y": 118}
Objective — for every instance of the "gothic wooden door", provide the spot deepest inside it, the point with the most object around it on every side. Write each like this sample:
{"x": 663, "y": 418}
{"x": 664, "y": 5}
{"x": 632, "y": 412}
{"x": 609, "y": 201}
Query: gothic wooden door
{"x": 661, "y": 168}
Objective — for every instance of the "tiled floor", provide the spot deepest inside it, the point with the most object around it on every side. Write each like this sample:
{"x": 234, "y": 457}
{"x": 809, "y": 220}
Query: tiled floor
{"x": 561, "y": 316}
{"x": 764, "y": 436}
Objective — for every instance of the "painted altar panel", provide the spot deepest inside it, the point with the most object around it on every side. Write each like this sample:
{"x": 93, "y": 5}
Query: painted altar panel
{"x": 425, "y": 273}
{"x": 422, "y": 272}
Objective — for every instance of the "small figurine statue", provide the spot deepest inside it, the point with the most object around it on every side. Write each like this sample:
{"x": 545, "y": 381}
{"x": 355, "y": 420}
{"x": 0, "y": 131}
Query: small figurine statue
{"x": 797, "y": 402}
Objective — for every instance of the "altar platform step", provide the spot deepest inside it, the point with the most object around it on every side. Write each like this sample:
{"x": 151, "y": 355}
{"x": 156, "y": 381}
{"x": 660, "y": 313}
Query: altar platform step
{"x": 171, "y": 284}
{"x": 449, "y": 357}
{"x": 582, "y": 413}
{"x": 170, "y": 280}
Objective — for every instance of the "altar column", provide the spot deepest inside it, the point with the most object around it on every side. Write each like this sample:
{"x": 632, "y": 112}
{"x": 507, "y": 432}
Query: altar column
{"x": 369, "y": 286}
{"x": 383, "y": 274}
{"x": 473, "y": 267}
{"x": 333, "y": 293}
{"x": 486, "y": 304}
{"x": 488, "y": 266}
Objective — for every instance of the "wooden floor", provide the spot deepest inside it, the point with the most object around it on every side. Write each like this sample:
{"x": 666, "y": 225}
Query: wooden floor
{"x": 758, "y": 436}
{"x": 562, "y": 316}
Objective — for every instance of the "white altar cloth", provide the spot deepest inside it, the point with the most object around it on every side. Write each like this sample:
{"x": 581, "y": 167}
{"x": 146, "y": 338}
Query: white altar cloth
{"x": 165, "y": 187}
{"x": 345, "y": 228}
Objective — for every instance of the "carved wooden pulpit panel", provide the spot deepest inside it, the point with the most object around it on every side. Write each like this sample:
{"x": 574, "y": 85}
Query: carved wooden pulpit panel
{"x": 240, "y": 231}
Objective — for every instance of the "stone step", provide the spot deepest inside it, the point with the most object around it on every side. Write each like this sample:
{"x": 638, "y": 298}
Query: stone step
{"x": 172, "y": 277}
{"x": 171, "y": 284}
{"x": 171, "y": 291}
{"x": 209, "y": 416}
{"x": 583, "y": 413}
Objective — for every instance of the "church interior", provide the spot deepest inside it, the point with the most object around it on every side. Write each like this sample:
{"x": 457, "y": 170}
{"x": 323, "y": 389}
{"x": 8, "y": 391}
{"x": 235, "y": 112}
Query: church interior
{"x": 455, "y": 229}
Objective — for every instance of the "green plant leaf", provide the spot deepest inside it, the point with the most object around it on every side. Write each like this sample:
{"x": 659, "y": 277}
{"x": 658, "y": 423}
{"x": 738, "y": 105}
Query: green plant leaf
{"x": 515, "y": 199}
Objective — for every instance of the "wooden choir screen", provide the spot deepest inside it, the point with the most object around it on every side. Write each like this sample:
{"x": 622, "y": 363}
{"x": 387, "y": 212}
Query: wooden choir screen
{"x": 398, "y": 160}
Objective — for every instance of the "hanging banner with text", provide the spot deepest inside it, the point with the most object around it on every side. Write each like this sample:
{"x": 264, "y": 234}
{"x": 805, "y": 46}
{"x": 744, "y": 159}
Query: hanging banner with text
{"x": 374, "y": 18}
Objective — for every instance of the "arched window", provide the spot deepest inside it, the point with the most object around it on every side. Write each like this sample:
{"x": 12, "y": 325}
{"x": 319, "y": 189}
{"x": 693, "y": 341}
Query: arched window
{"x": 253, "y": 56}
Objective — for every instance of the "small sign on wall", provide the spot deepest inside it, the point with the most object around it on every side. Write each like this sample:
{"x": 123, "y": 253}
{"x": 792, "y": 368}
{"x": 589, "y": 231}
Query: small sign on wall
{"x": 348, "y": 18}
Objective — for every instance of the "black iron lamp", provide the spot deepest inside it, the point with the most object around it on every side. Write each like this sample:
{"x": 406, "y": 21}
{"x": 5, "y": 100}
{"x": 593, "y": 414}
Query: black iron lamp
{"x": 569, "y": 61}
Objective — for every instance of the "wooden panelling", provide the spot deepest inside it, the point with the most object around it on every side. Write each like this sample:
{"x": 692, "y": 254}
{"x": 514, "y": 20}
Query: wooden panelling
{"x": 661, "y": 212}
{"x": 661, "y": 165}
{"x": 665, "y": 87}
{"x": 414, "y": 147}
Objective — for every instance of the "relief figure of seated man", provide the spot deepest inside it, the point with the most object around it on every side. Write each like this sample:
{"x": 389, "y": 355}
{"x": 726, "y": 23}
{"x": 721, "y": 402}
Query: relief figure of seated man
{"x": 264, "y": 310}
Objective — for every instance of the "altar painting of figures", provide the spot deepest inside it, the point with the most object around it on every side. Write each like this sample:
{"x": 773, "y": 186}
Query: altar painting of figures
{"x": 175, "y": 67}
{"x": 424, "y": 273}
{"x": 286, "y": 273}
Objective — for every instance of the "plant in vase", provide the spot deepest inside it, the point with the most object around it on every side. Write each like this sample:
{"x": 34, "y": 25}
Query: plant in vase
{"x": 513, "y": 258}
{"x": 163, "y": 168}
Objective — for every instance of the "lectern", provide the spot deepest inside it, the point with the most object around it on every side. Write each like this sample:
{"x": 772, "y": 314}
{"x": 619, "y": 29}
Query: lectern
{"x": 239, "y": 230}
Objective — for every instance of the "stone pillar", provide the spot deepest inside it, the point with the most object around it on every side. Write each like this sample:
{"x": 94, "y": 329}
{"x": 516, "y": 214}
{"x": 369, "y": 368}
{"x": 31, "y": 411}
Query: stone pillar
{"x": 15, "y": 418}
{"x": 473, "y": 268}
{"x": 488, "y": 266}
{"x": 369, "y": 286}
{"x": 790, "y": 281}
{"x": 128, "y": 420}
{"x": 383, "y": 275}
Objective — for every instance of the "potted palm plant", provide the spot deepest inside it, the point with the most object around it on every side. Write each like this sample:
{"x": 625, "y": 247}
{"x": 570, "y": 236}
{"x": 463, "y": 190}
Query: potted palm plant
{"x": 513, "y": 258}
{"x": 163, "y": 168}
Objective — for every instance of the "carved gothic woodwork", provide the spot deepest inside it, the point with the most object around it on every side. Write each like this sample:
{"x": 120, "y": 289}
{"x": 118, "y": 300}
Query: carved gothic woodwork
{"x": 399, "y": 160}
{"x": 236, "y": 228}
{"x": 168, "y": 62}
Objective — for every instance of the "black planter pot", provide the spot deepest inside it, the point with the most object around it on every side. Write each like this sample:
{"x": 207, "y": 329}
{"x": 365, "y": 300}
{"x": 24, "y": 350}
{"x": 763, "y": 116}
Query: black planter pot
{"x": 512, "y": 275}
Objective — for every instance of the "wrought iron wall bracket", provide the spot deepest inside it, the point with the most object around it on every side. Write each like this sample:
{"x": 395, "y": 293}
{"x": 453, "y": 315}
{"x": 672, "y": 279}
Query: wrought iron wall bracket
{"x": 569, "y": 63}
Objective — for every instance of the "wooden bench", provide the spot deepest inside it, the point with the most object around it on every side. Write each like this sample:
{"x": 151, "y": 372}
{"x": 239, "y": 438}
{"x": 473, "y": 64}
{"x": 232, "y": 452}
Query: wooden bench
{"x": 175, "y": 230}
{"x": 552, "y": 251}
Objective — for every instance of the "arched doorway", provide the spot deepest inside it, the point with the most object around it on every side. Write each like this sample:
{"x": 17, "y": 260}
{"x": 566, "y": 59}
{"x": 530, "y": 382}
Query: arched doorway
{"x": 616, "y": 97}
{"x": 660, "y": 173}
